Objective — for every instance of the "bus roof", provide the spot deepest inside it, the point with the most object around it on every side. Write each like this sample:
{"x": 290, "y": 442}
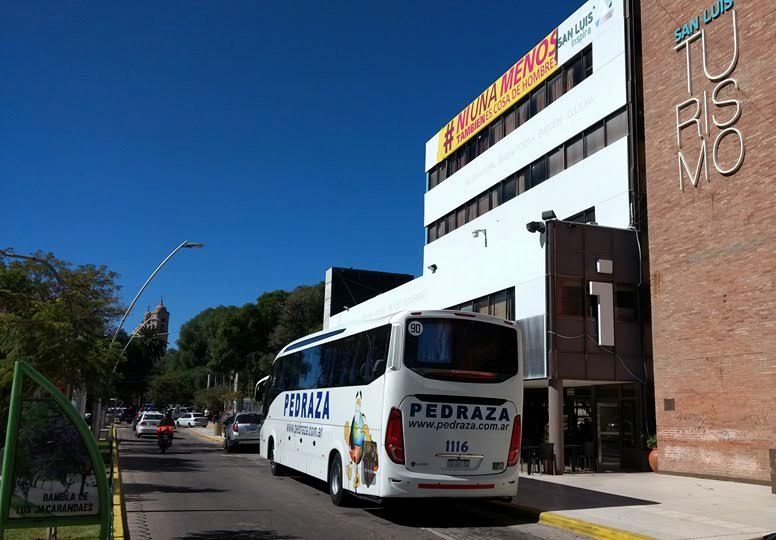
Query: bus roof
{"x": 330, "y": 334}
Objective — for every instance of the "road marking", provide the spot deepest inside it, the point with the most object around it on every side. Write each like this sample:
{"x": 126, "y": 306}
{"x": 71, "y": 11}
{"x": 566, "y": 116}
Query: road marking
{"x": 118, "y": 509}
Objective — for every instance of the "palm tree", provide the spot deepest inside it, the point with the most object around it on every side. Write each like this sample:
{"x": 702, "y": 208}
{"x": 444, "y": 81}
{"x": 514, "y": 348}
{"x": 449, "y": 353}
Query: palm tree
{"x": 154, "y": 342}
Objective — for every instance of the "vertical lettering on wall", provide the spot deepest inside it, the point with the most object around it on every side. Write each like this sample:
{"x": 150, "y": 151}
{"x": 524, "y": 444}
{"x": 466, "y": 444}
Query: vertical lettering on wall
{"x": 688, "y": 112}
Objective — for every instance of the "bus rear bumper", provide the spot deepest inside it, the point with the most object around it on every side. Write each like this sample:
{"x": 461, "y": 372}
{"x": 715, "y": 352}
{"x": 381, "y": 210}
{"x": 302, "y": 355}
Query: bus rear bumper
{"x": 407, "y": 484}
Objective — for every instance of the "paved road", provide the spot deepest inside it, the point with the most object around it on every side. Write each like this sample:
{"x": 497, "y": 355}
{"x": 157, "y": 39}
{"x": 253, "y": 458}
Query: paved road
{"x": 197, "y": 491}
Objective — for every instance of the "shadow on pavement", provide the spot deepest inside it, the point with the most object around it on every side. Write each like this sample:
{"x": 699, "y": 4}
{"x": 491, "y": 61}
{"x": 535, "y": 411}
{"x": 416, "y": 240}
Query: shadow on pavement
{"x": 139, "y": 489}
{"x": 446, "y": 513}
{"x": 548, "y": 497}
{"x": 252, "y": 534}
{"x": 158, "y": 463}
{"x": 431, "y": 513}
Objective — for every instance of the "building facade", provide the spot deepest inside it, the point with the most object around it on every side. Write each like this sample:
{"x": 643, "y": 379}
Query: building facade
{"x": 710, "y": 164}
{"x": 551, "y": 134}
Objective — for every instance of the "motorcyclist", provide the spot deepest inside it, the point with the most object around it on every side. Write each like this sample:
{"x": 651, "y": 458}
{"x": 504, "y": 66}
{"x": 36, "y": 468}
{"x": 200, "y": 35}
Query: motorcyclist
{"x": 167, "y": 420}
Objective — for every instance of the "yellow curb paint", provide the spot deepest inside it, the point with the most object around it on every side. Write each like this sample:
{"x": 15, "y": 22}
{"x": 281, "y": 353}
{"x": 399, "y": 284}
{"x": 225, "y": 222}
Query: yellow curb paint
{"x": 587, "y": 528}
{"x": 118, "y": 508}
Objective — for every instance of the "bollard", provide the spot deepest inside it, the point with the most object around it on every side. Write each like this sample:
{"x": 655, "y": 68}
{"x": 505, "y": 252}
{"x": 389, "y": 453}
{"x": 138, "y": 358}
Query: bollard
{"x": 773, "y": 470}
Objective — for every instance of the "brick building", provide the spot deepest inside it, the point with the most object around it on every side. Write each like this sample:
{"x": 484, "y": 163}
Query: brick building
{"x": 710, "y": 166}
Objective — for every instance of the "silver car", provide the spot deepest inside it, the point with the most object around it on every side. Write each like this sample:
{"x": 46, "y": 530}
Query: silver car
{"x": 148, "y": 423}
{"x": 241, "y": 430}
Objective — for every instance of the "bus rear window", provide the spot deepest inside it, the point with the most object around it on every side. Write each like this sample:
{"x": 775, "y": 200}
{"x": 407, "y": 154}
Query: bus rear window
{"x": 460, "y": 350}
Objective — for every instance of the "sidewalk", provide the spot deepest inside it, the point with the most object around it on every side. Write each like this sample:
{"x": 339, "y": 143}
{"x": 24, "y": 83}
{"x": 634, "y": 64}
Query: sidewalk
{"x": 653, "y": 505}
{"x": 204, "y": 432}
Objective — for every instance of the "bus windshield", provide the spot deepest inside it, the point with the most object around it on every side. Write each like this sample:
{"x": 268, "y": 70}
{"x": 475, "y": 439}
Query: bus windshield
{"x": 460, "y": 350}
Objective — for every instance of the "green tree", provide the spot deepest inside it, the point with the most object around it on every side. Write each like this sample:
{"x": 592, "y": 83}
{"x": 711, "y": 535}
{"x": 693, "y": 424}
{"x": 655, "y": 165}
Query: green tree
{"x": 57, "y": 317}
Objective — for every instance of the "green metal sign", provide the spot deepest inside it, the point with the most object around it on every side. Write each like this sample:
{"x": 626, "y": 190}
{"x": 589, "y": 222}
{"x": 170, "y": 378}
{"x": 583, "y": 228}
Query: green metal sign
{"x": 53, "y": 473}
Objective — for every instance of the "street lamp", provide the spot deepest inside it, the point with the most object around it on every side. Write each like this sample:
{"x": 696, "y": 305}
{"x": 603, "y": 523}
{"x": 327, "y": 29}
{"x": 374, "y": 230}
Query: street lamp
{"x": 187, "y": 245}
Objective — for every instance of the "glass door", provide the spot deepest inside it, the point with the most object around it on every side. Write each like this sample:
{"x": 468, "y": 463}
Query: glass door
{"x": 609, "y": 438}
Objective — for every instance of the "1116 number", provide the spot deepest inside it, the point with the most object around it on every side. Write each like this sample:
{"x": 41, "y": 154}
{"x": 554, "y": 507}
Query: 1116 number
{"x": 456, "y": 446}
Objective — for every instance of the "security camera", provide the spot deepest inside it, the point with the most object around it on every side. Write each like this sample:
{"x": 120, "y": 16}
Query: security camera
{"x": 535, "y": 226}
{"x": 548, "y": 214}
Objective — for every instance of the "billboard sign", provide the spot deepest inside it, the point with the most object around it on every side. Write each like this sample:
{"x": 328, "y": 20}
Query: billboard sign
{"x": 530, "y": 70}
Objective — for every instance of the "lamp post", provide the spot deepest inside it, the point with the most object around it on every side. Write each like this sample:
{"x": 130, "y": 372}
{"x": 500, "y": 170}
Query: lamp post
{"x": 186, "y": 244}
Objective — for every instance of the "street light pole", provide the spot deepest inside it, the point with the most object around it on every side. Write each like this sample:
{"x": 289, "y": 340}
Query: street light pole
{"x": 186, "y": 244}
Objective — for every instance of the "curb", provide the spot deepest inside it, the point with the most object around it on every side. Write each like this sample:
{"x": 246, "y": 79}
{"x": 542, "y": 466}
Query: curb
{"x": 579, "y": 526}
{"x": 211, "y": 438}
{"x": 118, "y": 493}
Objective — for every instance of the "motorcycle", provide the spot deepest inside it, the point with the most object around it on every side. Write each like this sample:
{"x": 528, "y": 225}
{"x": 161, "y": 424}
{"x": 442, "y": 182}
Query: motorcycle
{"x": 164, "y": 435}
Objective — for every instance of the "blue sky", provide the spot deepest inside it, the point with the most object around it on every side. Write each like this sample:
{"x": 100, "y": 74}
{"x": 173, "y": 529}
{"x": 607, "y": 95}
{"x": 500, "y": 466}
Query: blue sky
{"x": 286, "y": 136}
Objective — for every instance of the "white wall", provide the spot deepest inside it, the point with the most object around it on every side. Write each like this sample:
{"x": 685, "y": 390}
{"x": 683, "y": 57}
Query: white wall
{"x": 466, "y": 269}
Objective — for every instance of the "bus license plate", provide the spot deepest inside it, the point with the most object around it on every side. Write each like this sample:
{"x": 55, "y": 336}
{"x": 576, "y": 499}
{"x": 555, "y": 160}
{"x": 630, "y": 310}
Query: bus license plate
{"x": 458, "y": 463}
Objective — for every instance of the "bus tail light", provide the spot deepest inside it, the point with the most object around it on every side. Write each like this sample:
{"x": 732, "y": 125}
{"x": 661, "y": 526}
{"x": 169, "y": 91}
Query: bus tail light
{"x": 394, "y": 437}
{"x": 514, "y": 443}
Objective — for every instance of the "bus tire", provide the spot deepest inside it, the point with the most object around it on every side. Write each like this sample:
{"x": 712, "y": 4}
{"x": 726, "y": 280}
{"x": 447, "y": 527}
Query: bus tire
{"x": 275, "y": 468}
{"x": 336, "y": 489}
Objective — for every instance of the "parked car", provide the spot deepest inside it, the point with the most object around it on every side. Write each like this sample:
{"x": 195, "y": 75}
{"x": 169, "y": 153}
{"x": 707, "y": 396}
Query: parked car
{"x": 177, "y": 412}
{"x": 191, "y": 419}
{"x": 241, "y": 429}
{"x": 148, "y": 423}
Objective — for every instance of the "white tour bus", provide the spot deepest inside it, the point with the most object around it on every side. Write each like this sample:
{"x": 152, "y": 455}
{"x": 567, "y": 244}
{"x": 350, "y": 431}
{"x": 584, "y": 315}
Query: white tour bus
{"x": 417, "y": 404}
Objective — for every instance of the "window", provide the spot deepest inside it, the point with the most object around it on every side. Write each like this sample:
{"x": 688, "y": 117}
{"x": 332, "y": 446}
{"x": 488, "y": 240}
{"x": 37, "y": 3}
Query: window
{"x": 433, "y": 177}
{"x": 463, "y": 350}
{"x": 500, "y": 304}
{"x": 495, "y": 196}
{"x": 471, "y": 210}
{"x": 585, "y": 216}
{"x": 441, "y": 228}
{"x": 523, "y": 180}
{"x": 555, "y": 162}
{"x": 498, "y": 129}
{"x": 617, "y": 126}
{"x": 510, "y": 121}
{"x": 354, "y": 360}
{"x": 538, "y": 172}
{"x": 451, "y": 226}
{"x": 460, "y": 216}
{"x": 483, "y": 204}
{"x": 587, "y": 60}
{"x": 570, "y": 297}
{"x": 523, "y": 112}
{"x": 483, "y": 141}
{"x": 594, "y": 139}
{"x": 452, "y": 164}
{"x": 482, "y": 305}
{"x": 555, "y": 87}
{"x": 510, "y": 188}
{"x": 538, "y": 100}
{"x": 432, "y": 232}
{"x": 442, "y": 172}
{"x": 574, "y": 73}
{"x": 575, "y": 151}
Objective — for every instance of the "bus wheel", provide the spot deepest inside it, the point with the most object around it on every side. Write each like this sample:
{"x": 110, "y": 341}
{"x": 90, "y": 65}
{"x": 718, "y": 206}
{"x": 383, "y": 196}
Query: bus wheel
{"x": 336, "y": 491}
{"x": 274, "y": 467}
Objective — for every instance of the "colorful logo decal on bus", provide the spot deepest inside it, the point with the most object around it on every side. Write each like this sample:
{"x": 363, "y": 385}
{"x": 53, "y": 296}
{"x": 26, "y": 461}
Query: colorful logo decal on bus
{"x": 361, "y": 448}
